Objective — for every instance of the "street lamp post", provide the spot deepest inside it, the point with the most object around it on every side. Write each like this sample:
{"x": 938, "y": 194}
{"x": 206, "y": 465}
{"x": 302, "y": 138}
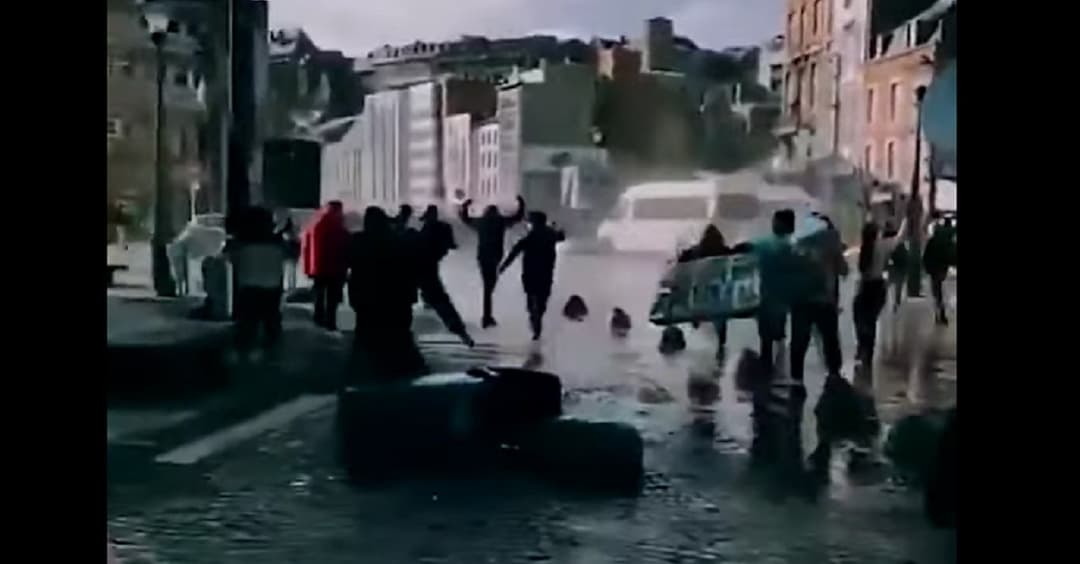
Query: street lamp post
{"x": 162, "y": 274}
{"x": 915, "y": 208}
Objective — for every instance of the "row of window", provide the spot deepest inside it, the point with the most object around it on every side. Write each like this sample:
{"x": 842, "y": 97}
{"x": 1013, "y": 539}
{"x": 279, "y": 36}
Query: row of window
{"x": 489, "y": 159}
{"x": 890, "y": 159}
{"x": 894, "y": 103}
{"x": 180, "y": 76}
{"x": 871, "y": 96}
{"x": 809, "y": 24}
{"x": 184, "y": 141}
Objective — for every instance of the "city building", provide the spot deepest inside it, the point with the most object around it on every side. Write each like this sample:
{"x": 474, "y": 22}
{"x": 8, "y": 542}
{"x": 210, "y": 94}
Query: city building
{"x": 307, "y": 85}
{"x": 551, "y": 105}
{"x": 899, "y": 61}
{"x": 424, "y": 145}
{"x": 771, "y": 64}
{"x": 341, "y": 176}
{"x": 658, "y": 46}
{"x": 486, "y": 163}
{"x": 131, "y": 70}
{"x": 458, "y": 170}
{"x": 471, "y": 57}
{"x": 851, "y": 32}
{"x": 809, "y": 121}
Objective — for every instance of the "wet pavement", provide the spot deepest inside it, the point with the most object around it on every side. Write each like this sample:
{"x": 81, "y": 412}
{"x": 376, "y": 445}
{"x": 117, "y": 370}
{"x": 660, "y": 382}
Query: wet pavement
{"x": 281, "y": 497}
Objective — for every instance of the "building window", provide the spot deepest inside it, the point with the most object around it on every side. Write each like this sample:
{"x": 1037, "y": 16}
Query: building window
{"x": 870, "y": 106}
{"x": 816, "y": 15}
{"x": 802, "y": 25}
{"x": 812, "y": 87}
{"x": 119, "y": 65}
{"x": 793, "y": 38}
{"x": 890, "y": 159}
{"x": 114, "y": 128}
{"x": 868, "y": 158}
{"x": 180, "y": 78}
{"x": 894, "y": 95}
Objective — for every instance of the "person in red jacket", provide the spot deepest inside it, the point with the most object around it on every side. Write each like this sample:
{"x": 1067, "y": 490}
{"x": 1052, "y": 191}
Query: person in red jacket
{"x": 323, "y": 253}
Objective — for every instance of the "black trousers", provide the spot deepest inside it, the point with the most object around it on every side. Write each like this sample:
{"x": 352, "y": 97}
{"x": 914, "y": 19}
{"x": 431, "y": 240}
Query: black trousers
{"x": 866, "y": 308}
{"x": 826, "y": 319}
{"x": 255, "y": 308}
{"x": 489, "y": 274}
{"x": 937, "y": 288}
{"x": 435, "y": 295}
{"x": 328, "y": 295}
{"x": 536, "y": 300}
{"x": 383, "y": 345}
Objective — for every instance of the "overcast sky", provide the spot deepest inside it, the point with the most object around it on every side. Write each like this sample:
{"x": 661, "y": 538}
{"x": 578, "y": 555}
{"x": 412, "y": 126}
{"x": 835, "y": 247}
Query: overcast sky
{"x": 357, "y": 26}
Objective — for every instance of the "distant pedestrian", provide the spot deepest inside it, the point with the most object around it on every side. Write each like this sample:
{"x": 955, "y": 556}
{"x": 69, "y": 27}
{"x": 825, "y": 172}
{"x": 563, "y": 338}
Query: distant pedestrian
{"x": 436, "y": 240}
{"x": 323, "y": 252}
{"x": 291, "y": 240}
{"x": 491, "y": 237}
{"x": 177, "y": 251}
{"x": 258, "y": 258}
{"x": 712, "y": 244}
{"x": 870, "y": 296}
{"x": 620, "y": 322}
{"x": 939, "y": 255}
{"x": 538, "y": 266}
{"x": 897, "y": 267}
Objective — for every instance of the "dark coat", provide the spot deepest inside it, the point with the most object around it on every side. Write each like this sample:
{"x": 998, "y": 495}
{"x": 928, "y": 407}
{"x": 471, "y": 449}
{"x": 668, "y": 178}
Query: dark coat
{"x": 491, "y": 231}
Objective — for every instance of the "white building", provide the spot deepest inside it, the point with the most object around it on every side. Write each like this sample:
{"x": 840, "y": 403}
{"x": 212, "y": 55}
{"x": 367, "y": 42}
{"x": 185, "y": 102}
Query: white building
{"x": 424, "y": 146}
{"x": 851, "y": 28}
{"x": 509, "y": 116}
{"x": 341, "y": 167}
{"x": 458, "y": 167}
{"x": 487, "y": 186}
{"x": 385, "y": 159}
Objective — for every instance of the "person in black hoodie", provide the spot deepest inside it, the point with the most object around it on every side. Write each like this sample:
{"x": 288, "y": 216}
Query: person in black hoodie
{"x": 436, "y": 240}
{"x": 491, "y": 234}
{"x": 712, "y": 244}
{"x": 382, "y": 290}
{"x": 538, "y": 266}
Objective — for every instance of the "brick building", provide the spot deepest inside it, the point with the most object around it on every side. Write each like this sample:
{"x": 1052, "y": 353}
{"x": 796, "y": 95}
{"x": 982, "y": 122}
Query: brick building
{"x": 899, "y": 61}
{"x": 809, "y": 118}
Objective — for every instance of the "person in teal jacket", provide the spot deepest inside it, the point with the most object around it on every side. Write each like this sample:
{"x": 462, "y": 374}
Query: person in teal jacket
{"x": 778, "y": 266}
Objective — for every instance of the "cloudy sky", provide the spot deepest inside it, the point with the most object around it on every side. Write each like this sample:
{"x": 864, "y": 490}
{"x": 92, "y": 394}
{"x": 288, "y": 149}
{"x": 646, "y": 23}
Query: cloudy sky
{"x": 357, "y": 26}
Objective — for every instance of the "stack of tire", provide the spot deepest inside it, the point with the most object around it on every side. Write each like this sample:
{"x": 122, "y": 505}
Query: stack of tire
{"x": 447, "y": 421}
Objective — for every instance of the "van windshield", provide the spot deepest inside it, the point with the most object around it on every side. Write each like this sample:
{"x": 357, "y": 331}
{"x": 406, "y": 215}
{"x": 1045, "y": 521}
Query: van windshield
{"x": 738, "y": 207}
{"x": 671, "y": 208}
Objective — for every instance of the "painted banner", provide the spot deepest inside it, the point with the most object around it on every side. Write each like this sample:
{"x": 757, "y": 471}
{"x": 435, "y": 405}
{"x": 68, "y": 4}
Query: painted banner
{"x": 706, "y": 289}
{"x": 728, "y": 286}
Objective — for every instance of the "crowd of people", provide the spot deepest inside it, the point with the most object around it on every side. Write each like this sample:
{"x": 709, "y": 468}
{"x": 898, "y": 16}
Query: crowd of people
{"x": 387, "y": 267}
{"x": 801, "y": 283}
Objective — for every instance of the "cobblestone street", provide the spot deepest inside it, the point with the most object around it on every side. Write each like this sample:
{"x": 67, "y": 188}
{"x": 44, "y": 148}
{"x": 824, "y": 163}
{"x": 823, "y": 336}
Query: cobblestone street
{"x": 281, "y": 496}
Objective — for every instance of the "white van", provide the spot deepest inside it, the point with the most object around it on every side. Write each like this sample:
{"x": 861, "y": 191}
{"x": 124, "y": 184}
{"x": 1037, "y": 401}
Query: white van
{"x": 746, "y": 213}
{"x": 659, "y": 216}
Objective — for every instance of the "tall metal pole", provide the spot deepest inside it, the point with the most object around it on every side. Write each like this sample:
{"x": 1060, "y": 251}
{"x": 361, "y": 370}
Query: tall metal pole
{"x": 915, "y": 208}
{"x": 162, "y": 273}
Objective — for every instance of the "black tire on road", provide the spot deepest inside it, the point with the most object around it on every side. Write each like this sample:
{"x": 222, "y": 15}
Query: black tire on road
{"x": 515, "y": 398}
{"x": 590, "y": 455}
{"x": 393, "y": 427}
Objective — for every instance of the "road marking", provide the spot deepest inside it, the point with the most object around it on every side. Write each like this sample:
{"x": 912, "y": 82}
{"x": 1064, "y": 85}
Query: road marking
{"x": 225, "y": 438}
